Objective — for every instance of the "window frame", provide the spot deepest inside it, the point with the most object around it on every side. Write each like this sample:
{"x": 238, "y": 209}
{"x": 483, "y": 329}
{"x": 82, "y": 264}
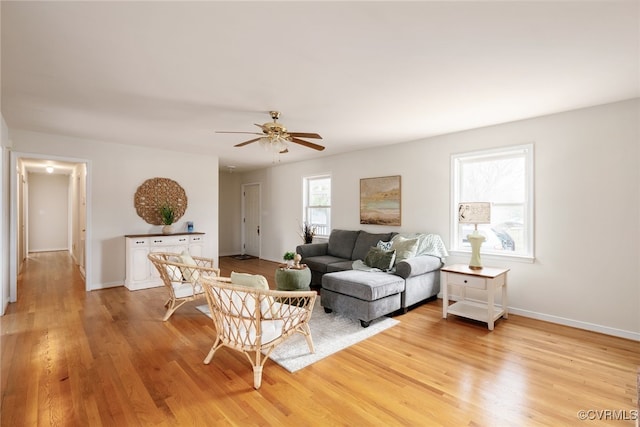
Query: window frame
{"x": 527, "y": 151}
{"x": 306, "y": 181}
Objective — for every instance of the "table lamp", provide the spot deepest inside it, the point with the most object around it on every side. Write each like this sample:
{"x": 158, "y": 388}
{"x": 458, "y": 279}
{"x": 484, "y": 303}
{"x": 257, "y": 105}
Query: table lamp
{"x": 475, "y": 213}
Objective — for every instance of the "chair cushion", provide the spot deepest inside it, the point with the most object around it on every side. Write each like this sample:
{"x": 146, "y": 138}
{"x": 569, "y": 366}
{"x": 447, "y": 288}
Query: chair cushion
{"x": 185, "y": 289}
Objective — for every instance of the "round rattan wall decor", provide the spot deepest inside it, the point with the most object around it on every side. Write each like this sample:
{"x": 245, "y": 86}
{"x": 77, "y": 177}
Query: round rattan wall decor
{"x": 155, "y": 193}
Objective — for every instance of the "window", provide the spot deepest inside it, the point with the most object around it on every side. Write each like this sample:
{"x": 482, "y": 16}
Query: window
{"x": 317, "y": 203}
{"x": 503, "y": 177}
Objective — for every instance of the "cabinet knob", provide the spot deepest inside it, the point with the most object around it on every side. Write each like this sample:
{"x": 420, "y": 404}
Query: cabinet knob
{"x": 465, "y": 280}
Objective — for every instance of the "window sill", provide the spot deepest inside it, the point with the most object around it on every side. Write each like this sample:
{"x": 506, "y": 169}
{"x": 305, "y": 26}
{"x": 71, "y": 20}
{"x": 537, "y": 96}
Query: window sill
{"x": 499, "y": 257}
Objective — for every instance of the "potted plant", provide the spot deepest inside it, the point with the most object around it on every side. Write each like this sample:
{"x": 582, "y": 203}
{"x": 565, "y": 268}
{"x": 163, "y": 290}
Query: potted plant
{"x": 288, "y": 257}
{"x": 168, "y": 215}
{"x": 308, "y": 231}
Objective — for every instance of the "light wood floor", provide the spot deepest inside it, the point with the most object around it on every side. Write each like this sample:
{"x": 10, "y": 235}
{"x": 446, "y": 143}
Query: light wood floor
{"x": 72, "y": 358}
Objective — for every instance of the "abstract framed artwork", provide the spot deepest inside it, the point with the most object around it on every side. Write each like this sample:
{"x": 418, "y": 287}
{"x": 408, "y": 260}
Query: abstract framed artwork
{"x": 380, "y": 200}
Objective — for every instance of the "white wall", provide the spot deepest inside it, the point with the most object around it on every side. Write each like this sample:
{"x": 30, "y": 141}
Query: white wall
{"x": 115, "y": 171}
{"x": 4, "y": 215}
{"x": 48, "y": 212}
{"x": 587, "y": 208}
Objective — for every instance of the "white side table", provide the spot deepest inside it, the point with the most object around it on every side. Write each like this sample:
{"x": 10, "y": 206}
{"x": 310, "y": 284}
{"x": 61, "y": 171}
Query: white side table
{"x": 488, "y": 278}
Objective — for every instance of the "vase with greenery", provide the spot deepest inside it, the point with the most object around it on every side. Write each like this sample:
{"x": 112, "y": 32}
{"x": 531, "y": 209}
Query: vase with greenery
{"x": 168, "y": 215}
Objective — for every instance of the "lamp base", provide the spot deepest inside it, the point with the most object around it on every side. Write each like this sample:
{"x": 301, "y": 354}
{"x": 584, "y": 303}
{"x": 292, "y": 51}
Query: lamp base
{"x": 476, "y": 239}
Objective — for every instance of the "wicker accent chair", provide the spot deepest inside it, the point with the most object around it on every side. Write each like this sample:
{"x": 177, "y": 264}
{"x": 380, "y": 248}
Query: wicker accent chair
{"x": 254, "y": 321}
{"x": 181, "y": 274}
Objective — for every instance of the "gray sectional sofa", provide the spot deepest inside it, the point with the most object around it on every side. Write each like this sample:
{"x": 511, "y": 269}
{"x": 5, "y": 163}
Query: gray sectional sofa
{"x": 366, "y": 293}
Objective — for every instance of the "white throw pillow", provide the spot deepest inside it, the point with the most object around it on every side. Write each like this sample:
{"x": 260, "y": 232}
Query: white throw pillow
{"x": 188, "y": 273}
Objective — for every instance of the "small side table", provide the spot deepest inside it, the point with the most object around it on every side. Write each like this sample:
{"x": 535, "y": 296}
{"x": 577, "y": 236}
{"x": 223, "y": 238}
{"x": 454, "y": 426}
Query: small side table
{"x": 293, "y": 279}
{"x": 488, "y": 278}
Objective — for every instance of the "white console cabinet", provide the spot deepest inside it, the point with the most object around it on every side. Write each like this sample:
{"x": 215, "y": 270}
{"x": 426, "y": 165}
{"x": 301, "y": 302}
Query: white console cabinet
{"x": 140, "y": 273}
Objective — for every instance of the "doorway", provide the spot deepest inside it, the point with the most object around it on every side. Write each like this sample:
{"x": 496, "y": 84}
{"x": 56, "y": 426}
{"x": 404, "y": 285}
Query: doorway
{"x": 77, "y": 173}
{"x": 251, "y": 219}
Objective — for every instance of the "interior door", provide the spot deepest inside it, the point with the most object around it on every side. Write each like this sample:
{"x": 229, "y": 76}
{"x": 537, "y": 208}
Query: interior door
{"x": 251, "y": 219}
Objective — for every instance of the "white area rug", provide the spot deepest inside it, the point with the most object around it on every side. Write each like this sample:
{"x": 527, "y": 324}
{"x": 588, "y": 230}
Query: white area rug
{"x": 330, "y": 332}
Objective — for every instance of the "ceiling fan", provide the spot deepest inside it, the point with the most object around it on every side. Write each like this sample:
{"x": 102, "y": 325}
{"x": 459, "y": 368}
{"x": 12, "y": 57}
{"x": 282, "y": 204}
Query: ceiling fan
{"x": 275, "y": 136}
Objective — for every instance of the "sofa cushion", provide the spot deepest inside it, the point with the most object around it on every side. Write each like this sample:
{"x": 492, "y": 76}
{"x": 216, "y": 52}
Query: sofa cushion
{"x": 364, "y": 285}
{"x": 341, "y": 243}
{"x": 340, "y": 266}
{"x": 320, "y": 263}
{"x": 365, "y": 241}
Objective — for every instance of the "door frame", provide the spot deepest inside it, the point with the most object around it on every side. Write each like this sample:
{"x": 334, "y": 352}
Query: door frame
{"x": 243, "y": 216}
{"x": 13, "y": 223}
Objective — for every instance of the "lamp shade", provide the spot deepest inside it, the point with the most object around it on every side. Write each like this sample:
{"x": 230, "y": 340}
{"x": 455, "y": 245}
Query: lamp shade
{"x": 474, "y": 213}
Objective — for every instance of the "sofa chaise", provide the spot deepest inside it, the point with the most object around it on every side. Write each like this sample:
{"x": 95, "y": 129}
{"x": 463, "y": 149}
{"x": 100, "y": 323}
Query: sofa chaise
{"x": 351, "y": 287}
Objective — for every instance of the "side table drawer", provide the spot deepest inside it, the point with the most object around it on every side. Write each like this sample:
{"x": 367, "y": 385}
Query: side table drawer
{"x": 464, "y": 280}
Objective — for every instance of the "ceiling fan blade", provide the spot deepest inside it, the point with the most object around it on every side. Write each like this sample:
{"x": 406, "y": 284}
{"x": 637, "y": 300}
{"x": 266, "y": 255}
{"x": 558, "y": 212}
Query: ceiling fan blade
{"x": 242, "y": 144}
{"x": 224, "y": 131}
{"x": 307, "y": 143}
{"x": 261, "y": 127}
{"x": 305, "y": 135}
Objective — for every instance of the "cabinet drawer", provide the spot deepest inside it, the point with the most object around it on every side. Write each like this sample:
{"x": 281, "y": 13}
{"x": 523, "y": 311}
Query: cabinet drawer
{"x": 464, "y": 280}
{"x": 134, "y": 243}
{"x": 170, "y": 241}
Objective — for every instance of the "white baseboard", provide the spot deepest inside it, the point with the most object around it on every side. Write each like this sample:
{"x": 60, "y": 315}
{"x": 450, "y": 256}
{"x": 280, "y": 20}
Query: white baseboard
{"x": 97, "y": 286}
{"x": 48, "y": 250}
{"x": 635, "y": 336}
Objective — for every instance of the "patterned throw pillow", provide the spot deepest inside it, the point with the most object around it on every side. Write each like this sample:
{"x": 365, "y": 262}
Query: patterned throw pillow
{"x": 386, "y": 246}
{"x": 379, "y": 258}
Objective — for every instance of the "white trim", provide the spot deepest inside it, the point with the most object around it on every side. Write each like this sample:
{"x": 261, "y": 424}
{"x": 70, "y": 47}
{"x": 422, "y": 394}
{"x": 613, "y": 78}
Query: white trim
{"x": 529, "y": 219}
{"x": 13, "y": 225}
{"x": 635, "y": 336}
{"x": 495, "y": 256}
{"x": 587, "y": 326}
{"x": 305, "y": 199}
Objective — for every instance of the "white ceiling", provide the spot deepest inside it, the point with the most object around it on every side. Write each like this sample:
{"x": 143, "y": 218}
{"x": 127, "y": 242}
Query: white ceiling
{"x": 169, "y": 74}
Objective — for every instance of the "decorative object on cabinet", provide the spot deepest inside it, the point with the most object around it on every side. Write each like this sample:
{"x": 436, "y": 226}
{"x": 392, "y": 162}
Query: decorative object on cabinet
{"x": 181, "y": 274}
{"x": 155, "y": 193}
{"x": 168, "y": 216}
{"x": 140, "y": 273}
{"x": 380, "y": 200}
{"x": 475, "y": 213}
